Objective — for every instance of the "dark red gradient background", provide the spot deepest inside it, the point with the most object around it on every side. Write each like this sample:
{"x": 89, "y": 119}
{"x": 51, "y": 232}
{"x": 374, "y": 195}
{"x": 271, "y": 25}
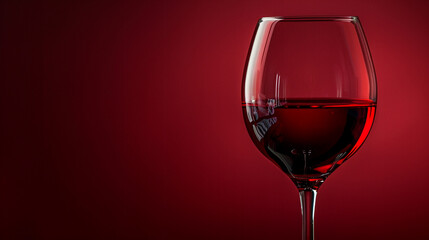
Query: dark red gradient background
{"x": 122, "y": 120}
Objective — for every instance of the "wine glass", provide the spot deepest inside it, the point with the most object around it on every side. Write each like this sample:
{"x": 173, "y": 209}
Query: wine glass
{"x": 309, "y": 98}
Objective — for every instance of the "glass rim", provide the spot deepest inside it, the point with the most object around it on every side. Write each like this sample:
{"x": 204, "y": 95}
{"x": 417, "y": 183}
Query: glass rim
{"x": 311, "y": 18}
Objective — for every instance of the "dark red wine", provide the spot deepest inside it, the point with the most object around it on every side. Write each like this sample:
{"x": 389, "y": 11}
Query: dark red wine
{"x": 308, "y": 139}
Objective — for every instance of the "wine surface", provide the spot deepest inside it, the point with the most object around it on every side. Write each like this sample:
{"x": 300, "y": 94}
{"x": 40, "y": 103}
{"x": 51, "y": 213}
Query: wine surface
{"x": 308, "y": 139}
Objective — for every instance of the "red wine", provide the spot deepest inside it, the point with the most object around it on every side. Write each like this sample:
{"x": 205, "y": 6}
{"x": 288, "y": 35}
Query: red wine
{"x": 308, "y": 139}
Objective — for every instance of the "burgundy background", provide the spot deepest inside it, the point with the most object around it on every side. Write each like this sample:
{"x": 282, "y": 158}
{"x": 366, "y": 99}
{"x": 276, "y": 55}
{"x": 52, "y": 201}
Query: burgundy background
{"x": 122, "y": 120}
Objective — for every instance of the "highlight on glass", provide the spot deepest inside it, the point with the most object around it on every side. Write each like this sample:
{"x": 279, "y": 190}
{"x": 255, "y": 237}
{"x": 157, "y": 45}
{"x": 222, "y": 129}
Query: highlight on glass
{"x": 309, "y": 98}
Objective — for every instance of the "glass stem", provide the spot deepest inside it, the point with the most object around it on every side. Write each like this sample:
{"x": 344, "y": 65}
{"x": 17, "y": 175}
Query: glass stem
{"x": 308, "y": 201}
